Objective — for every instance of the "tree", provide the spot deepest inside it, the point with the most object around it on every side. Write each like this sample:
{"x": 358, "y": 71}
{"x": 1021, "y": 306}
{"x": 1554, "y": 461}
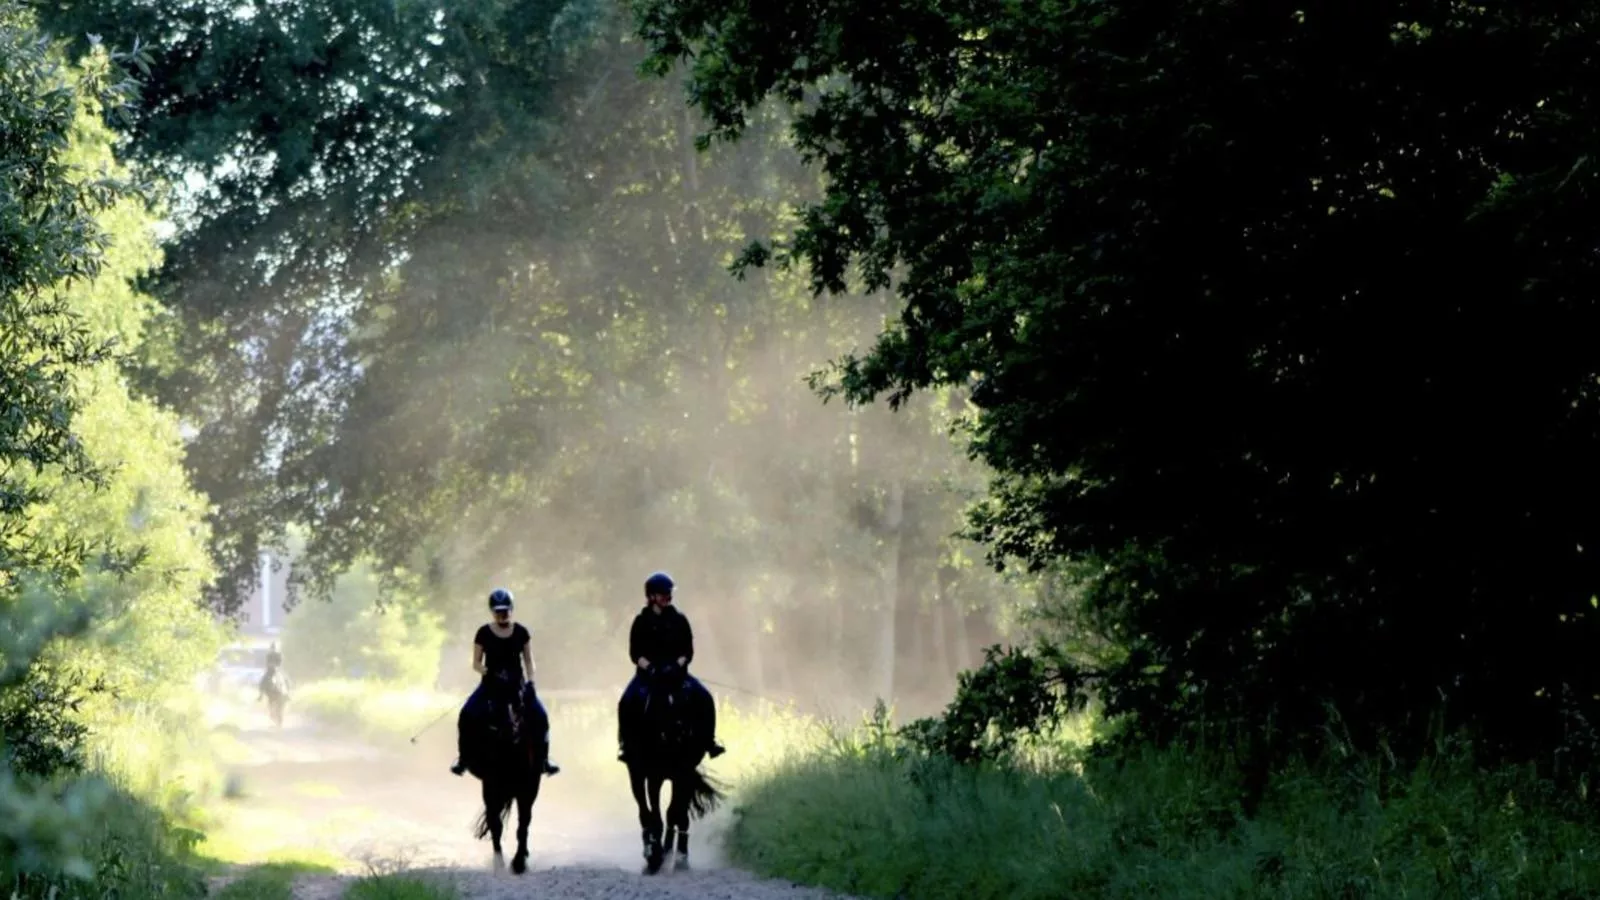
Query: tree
{"x": 1276, "y": 321}
{"x": 54, "y": 197}
{"x": 330, "y": 135}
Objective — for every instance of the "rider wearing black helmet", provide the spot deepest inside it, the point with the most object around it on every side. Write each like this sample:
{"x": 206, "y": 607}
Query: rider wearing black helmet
{"x": 661, "y": 633}
{"x": 502, "y": 654}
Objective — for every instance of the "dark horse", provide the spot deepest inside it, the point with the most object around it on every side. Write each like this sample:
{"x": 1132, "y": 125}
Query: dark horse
{"x": 275, "y": 689}
{"x": 668, "y": 743}
{"x": 508, "y": 756}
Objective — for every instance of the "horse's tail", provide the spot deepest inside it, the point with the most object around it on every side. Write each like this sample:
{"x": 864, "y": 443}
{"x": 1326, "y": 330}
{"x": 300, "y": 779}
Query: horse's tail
{"x": 480, "y": 829}
{"x": 705, "y": 792}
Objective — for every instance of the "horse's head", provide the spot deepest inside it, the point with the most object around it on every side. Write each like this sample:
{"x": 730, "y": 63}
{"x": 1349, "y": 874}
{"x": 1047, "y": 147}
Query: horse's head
{"x": 668, "y": 675}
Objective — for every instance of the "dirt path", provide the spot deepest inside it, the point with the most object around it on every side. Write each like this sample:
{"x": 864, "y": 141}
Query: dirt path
{"x": 382, "y": 808}
{"x": 587, "y": 883}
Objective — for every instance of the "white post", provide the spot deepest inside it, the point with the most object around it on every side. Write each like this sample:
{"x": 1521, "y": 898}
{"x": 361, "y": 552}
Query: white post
{"x": 266, "y": 591}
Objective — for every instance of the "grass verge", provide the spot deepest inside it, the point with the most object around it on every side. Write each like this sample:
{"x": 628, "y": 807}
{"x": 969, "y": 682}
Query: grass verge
{"x": 267, "y": 881}
{"x": 861, "y": 815}
{"x": 400, "y": 887}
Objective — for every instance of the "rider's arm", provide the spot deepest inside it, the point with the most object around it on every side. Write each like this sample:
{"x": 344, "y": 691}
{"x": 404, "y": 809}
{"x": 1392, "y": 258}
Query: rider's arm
{"x": 688, "y": 644}
{"x": 477, "y": 658}
{"x": 636, "y": 643}
{"x": 527, "y": 658}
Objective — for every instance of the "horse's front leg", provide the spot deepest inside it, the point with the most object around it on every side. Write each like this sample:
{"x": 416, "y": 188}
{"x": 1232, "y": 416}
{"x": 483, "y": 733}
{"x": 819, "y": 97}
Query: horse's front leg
{"x": 647, "y": 792}
{"x": 492, "y": 805}
{"x": 678, "y": 825}
{"x": 649, "y": 818}
{"x": 525, "y": 798}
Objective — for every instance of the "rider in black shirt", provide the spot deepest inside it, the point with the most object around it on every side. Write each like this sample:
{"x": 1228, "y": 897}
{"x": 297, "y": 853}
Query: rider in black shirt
{"x": 502, "y": 653}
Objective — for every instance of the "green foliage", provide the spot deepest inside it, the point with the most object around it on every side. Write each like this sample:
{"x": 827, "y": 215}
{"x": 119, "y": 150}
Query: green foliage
{"x": 49, "y": 236}
{"x": 138, "y": 635}
{"x": 40, "y": 717}
{"x": 544, "y": 363}
{"x": 315, "y": 192}
{"x": 1013, "y": 695}
{"x": 872, "y": 818}
{"x": 124, "y": 847}
{"x": 365, "y": 630}
{"x": 101, "y": 544}
{"x": 1292, "y": 362}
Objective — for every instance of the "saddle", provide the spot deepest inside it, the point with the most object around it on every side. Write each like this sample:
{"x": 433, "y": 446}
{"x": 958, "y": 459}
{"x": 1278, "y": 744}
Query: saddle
{"x": 507, "y": 710}
{"x": 665, "y": 708}
{"x": 272, "y": 684}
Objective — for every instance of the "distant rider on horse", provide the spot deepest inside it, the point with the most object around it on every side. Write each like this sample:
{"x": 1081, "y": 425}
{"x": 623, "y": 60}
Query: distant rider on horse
{"x": 265, "y": 685}
{"x": 502, "y": 654}
{"x": 661, "y": 634}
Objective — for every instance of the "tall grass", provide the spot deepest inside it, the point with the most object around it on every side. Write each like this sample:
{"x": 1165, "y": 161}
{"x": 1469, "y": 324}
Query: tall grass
{"x": 861, "y": 814}
{"x": 400, "y": 886}
{"x": 375, "y": 709}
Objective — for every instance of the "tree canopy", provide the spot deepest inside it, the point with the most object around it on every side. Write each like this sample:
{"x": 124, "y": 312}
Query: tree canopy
{"x": 521, "y": 360}
{"x": 1277, "y": 321}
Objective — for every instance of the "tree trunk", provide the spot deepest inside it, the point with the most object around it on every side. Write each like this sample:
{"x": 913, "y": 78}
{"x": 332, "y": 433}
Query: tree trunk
{"x": 893, "y": 519}
{"x": 914, "y": 673}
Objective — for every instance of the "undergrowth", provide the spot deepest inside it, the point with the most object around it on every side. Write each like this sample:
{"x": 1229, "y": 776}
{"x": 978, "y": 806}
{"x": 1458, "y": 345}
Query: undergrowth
{"x": 867, "y": 813}
{"x": 133, "y": 851}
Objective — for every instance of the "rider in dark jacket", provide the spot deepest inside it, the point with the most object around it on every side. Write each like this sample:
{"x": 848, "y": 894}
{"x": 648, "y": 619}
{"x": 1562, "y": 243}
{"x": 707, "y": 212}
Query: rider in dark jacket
{"x": 661, "y": 634}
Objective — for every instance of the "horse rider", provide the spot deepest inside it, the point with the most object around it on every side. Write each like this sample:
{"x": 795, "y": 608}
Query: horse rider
{"x": 274, "y": 661}
{"x": 660, "y": 634}
{"x": 502, "y": 653}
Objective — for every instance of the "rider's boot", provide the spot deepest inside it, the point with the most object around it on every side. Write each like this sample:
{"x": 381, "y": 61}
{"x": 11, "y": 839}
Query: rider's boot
{"x": 715, "y": 749}
{"x": 464, "y": 740}
{"x": 550, "y": 768}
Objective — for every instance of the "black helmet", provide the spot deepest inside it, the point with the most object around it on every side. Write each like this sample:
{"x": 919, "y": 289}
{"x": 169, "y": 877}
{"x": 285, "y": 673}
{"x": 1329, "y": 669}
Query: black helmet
{"x": 499, "y": 599}
{"x": 659, "y": 583}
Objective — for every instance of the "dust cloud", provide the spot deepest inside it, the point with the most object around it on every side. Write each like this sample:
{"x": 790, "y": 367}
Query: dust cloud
{"x": 621, "y": 434}
{"x": 602, "y": 400}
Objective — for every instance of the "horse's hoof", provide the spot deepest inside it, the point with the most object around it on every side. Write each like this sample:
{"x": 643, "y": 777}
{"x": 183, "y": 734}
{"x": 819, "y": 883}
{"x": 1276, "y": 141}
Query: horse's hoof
{"x": 654, "y": 856}
{"x": 519, "y": 863}
{"x": 681, "y": 864}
